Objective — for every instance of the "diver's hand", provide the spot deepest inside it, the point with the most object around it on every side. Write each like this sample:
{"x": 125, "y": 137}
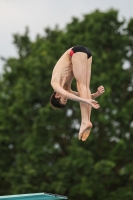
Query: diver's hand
{"x": 100, "y": 90}
{"x": 93, "y": 103}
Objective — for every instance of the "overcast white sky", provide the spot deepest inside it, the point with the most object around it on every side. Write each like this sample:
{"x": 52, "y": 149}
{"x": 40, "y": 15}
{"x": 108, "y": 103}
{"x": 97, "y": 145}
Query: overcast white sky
{"x": 15, "y": 15}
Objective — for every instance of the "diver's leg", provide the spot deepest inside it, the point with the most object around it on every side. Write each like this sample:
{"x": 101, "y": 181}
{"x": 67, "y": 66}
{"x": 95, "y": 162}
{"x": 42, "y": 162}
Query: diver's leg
{"x": 82, "y": 75}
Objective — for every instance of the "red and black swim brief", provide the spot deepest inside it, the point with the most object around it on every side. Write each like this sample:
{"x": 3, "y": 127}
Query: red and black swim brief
{"x": 80, "y": 48}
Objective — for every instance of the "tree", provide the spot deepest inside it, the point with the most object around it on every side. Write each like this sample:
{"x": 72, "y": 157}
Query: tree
{"x": 39, "y": 147}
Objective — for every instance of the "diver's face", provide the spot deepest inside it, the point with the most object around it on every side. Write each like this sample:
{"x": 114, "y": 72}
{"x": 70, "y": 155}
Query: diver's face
{"x": 63, "y": 100}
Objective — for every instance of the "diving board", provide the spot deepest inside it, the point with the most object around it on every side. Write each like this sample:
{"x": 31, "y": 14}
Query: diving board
{"x": 34, "y": 196}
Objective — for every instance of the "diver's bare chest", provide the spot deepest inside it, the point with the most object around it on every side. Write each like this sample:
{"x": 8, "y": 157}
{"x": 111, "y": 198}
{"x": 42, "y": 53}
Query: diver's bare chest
{"x": 67, "y": 74}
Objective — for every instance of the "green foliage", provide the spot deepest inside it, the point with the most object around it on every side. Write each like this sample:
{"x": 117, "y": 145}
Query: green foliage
{"x": 39, "y": 146}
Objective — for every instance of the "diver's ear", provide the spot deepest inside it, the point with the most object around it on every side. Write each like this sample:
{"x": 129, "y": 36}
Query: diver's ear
{"x": 57, "y": 95}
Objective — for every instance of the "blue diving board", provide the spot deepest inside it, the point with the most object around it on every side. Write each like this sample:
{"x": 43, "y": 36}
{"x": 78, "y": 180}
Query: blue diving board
{"x": 34, "y": 196}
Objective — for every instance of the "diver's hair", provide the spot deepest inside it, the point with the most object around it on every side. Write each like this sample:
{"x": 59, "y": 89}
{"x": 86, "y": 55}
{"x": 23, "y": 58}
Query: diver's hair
{"x": 55, "y": 102}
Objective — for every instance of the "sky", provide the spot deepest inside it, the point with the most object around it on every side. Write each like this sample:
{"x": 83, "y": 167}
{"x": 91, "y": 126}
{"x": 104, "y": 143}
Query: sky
{"x": 37, "y": 15}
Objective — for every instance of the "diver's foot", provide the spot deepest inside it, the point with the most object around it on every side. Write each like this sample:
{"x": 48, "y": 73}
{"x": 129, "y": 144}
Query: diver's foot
{"x": 85, "y": 132}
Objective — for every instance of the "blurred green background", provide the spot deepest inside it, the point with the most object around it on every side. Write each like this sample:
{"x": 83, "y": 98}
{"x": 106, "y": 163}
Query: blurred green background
{"x": 39, "y": 147}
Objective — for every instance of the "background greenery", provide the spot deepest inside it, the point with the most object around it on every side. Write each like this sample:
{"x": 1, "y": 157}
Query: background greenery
{"x": 39, "y": 147}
